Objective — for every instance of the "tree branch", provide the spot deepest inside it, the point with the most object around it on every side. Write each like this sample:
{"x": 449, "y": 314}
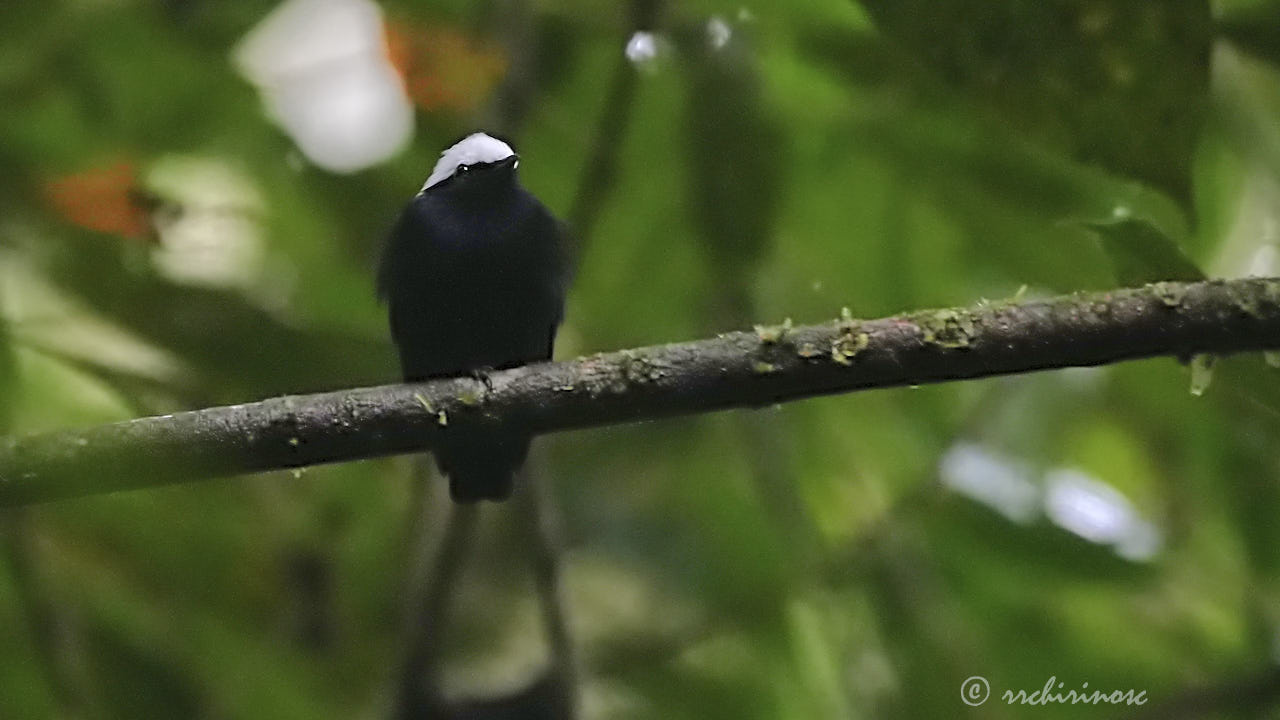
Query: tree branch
{"x": 600, "y": 172}
{"x": 739, "y": 369}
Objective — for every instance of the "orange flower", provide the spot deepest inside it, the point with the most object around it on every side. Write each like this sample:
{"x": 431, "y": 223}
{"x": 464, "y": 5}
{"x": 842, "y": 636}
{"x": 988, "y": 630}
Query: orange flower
{"x": 442, "y": 68}
{"x": 107, "y": 199}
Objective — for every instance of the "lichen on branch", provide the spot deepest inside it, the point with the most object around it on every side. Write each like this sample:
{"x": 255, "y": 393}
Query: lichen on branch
{"x": 738, "y": 369}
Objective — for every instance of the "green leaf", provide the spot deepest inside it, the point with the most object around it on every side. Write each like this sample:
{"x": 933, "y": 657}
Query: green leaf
{"x": 1120, "y": 84}
{"x": 1141, "y": 253}
{"x": 1254, "y": 27}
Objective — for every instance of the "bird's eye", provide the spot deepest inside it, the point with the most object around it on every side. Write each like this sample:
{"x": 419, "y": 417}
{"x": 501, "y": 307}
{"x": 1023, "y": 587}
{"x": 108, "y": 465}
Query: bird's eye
{"x": 463, "y": 168}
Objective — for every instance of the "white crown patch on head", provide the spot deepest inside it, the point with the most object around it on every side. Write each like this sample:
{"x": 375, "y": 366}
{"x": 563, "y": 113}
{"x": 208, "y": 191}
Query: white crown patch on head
{"x": 474, "y": 148}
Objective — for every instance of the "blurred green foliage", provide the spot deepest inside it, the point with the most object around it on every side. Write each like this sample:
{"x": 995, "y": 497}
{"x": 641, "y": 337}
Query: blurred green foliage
{"x": 823, "y": 559}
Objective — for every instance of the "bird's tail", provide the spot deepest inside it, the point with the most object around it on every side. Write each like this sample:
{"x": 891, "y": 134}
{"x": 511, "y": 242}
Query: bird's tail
{"x": 482, "y": 466}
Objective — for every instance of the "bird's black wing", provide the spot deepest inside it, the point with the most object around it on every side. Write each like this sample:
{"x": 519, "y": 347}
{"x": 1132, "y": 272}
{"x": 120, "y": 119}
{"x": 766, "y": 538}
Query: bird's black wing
{"x": 410, "y": 281}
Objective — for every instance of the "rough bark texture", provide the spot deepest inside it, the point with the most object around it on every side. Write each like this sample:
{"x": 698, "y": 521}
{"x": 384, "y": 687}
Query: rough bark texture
{"x": 739, "y": 369}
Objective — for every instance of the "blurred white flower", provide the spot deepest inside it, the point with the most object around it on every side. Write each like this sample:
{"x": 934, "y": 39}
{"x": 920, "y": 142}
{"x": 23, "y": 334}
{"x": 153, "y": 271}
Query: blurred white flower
{"x": 325, "y": 77}
{"x": 993, "y": 480}
{"x": 215, "y": 239}
{"x": 642, "y": 47}
{"x": 1097, "y": 512}
{"x": 718, "y": 32}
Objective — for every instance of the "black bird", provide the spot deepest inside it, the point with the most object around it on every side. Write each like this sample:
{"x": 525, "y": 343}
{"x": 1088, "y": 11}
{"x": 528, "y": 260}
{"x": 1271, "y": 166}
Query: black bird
{"x": 474, "y": 275}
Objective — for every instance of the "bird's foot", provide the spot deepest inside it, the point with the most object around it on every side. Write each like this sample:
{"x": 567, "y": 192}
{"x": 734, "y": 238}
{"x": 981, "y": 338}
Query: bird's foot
{"x": 482, "y": 374}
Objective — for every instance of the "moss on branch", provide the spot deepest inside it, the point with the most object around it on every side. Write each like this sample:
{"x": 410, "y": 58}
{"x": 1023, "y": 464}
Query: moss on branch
{"x": 738, "y": 369}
